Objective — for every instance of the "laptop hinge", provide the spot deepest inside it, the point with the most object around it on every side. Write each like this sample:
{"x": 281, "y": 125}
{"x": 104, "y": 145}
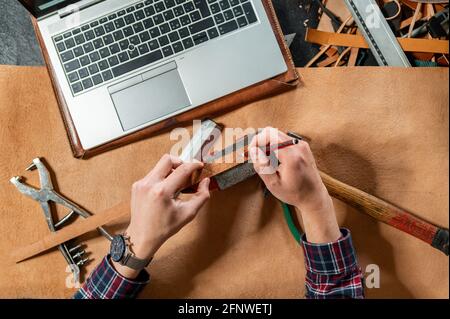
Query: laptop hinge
{"x": 70, "y": 9}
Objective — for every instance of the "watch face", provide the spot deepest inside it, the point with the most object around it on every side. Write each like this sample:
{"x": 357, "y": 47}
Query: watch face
{"x": 118, "y": 248}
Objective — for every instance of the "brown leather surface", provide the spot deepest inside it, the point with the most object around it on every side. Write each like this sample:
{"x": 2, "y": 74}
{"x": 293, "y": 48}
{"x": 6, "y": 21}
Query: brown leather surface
{"x": 278, "y": 84}
{"x": 382, "y": 130}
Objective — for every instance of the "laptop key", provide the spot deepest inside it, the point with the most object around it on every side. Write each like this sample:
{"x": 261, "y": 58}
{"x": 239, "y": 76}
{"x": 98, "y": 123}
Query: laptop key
{"x": 85, "y": 27}
{"x": 78, "y": 51}
{"x": 60, "y": 46}
{"x": 202, "y": 6}
{"x": 99, "y": 31}
{"x": 128, "y": 31}
{"x": 238, "y": 11}
{"x": 153, "y": 45}
{"x": 224, "y": 4}
{"x": 98, "y": 43}
{"x": 108, "y": 39}
{"x": 200, "y": 38}
{"x": 155, "y": 32}
{"x": 249, "y": 13}
{"x": 118, "y": 35}
{"x": 137, "y": 63}
{"x": 175, "y": 24}
{"x": 107, "y": 75}
{"x": 67, "y": 35}
{"x": 77, "y": 87}
{"x": 94, "y": 24}
{"x": 73, "y": 77}
{"x": 149, "y": 11}
{"x": 167, "y": 51}
{"x": 169, "y": 3}
{"x": 84, "y": 60}
{"x": 93, "y": 69}
{"x": 139, "y": 5}
{"x": 89, "y": 35}
{"x": 130, "y": 9}
{"x": 213, "y": 33}
{"x": 113, "y": 60}
{"x": 158, "y": 19}
{"x": 188, "y": 43}
{"x": 94, "y": 56}
{"x": 195, "y": 16}
{"x": 121, "y": 13}
{"x": 201, "y": 25}
{"x": 70, "y": 43}
{"x": 79, "y": 39}
{"x": 143, "y": 48}
{"x": 123, "y": 57}
{"x": 112, "y": 16}
{"x": 185, "y": 20}
{"x": 129, "y": 19}
{"x": 178, "y": 11}
{"x": 234, "y": 2}
{"x": 164, "y": 28}
{"x": 114, "y": 48}
{"x": 215, "y": 8}
{"x": 135, "y": 40}
{"x": 104, "y": 52}
{"x": 138, "y": 27}
{"x": 58, "y": 38}
{"x": 228, "y": 27}
{"x": 219, "y": 18}
{"x": 242, "y": 22}
{"x": 168, "y": 15}
{"x": 103, "y": 65}
{"x": 109, "y": 27}
{"x": 228, "y": 14}
{"x": 134, "y": 53}
{"x": 164, "y": 40}
{"x": 144, "y": 36}
{"x": 188, "y": 7}
{"x": 87, "y": 83}
{"x": 139, "y": 15}
{"x": 124, "y": 44}
{"x": 84, "y": 73}
{"x": 76, "y": 31}
{"x": 88, "y": 47}
{"x": 148, "y": 23}
{"x": 177, "y": 47}
{"x": 103, "y": 20}
{"x": 159, "y": 7}
{"x": 184, "y": 32}
{"x": 173, "y": 36}
{"x": 119, "y": 23}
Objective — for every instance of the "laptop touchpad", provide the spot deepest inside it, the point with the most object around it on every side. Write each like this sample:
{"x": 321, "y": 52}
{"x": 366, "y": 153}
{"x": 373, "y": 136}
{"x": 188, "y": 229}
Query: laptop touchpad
{"x": 149, "y": 96}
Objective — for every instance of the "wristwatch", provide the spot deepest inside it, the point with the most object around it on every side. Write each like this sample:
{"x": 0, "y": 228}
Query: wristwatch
{"x": 120, "y": 252}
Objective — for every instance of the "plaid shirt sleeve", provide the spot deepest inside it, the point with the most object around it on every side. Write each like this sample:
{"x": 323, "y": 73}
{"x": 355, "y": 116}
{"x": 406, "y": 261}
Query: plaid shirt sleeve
{"x": 332, "y": 269}
{"x": 106, "y": 283}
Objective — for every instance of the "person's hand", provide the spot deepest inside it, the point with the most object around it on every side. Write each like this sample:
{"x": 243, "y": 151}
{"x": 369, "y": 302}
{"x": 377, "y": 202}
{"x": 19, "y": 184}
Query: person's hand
{"x": 156, "y": 212}
{"x": 291, "y": 175}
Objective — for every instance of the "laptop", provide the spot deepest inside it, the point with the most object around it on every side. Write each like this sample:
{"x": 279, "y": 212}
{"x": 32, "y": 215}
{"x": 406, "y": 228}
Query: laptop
{"x": 125, "y": 65}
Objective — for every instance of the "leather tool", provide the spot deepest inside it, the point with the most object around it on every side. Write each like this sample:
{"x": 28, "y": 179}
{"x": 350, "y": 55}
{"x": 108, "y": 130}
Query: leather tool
{"x": 75, "y": 255}
{"x": 225, "y": 175}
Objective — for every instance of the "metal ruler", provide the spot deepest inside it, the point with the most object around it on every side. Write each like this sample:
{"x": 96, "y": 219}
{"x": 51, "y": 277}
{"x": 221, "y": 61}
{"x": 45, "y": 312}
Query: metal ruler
{"x": 378, "y": 34}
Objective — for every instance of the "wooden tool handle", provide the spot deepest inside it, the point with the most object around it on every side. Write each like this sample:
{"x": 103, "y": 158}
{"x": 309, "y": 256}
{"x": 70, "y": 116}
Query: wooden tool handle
{"x": 388, "y": 213}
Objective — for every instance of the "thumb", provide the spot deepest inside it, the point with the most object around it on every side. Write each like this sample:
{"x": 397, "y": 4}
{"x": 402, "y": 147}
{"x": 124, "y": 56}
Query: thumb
{"x": 193, "y": 205}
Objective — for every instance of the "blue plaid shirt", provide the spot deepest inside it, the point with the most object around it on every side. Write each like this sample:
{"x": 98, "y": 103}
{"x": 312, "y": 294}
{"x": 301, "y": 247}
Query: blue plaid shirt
{"x": 332, "y": 271}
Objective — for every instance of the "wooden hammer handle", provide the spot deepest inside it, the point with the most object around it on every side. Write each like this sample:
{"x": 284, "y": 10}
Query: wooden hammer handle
{"x": 388, "y": 213}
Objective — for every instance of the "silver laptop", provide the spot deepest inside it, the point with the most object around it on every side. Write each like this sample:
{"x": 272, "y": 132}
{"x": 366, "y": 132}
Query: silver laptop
{"x": 124, "y": 65}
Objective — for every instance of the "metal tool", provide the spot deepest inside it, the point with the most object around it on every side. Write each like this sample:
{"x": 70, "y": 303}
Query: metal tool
{"x": 74, "y": 256}
{"x": 378, "y": 34}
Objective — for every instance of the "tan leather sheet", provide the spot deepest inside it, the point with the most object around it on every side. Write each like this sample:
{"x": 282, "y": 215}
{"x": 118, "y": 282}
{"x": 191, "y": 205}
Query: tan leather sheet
{"x": 383, "y": 130}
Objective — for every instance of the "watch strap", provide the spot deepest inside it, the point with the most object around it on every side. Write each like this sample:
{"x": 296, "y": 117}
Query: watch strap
{"x": 134, "y": 262}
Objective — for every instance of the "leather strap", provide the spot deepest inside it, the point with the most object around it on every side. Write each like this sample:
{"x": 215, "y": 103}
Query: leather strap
{"x": 358, "y": 41}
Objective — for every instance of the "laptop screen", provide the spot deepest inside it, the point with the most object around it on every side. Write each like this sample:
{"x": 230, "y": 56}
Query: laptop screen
{"x": 39, "y": 8}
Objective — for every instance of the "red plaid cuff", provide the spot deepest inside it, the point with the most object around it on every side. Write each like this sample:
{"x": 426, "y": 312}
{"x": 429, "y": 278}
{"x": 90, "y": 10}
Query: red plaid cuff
{"x": 106, "y": 283}
{"x": 332, "y": 269}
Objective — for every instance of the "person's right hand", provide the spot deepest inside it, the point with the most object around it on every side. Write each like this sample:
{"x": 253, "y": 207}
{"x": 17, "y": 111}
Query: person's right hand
{"x": 296, "y": 181}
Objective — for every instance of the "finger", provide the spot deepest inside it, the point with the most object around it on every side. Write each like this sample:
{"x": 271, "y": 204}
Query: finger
{"x": 181, "y": 176}
{"x": 265, "y": 167}
{"x": 268, "y": 136}
{"x": 193, "y": 205}
{"x": 164, "y": 167}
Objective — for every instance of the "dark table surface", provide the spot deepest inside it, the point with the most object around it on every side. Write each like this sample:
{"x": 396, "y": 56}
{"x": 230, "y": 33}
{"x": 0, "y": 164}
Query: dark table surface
{"x": 18, "y": 45}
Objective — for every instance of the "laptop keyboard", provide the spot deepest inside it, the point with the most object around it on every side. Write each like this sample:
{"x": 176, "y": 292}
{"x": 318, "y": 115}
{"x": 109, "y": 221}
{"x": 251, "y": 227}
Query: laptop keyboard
{"x": 142, "y": 34}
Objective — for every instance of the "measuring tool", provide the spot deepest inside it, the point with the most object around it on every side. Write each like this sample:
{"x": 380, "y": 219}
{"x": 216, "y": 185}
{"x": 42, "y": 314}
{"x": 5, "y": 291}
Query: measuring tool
{"x": 377, "y": 32}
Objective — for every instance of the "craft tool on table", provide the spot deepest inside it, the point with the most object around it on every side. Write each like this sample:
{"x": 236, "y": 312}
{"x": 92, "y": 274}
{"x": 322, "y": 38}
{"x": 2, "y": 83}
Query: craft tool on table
{"x": 226, "y": 176}
{"x": 378, "y": 34}
{"x": 74, "y": 256}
